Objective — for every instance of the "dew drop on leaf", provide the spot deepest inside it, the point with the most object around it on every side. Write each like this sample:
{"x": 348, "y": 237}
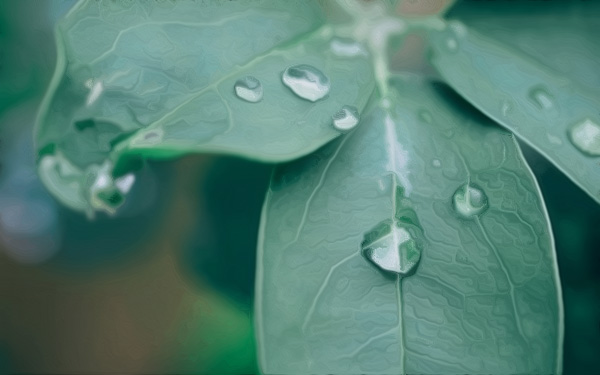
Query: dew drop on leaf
{"x": 541, "y": 98}
{"x": 306, "y": 81}
{"x": 585, "y": 135}
{"x": 346, "y": 118}
{"x": 249, "y": 89}
{"x": 392, "y": 248}
{"x": 105, "y": 194}
{"x": 436, "y": 163}
{"x": 469, "y": 201}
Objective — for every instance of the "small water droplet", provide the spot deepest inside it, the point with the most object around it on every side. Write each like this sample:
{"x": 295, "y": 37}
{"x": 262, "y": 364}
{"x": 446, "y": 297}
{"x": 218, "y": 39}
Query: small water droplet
{"x": 346, "y": 118}
{"x": 469, "y": 201}
{"x": 306, "y": 81}
{"x": 436, "y": 163}
{"x": 386, "y": 103}
{"x": 541, "y": 98}
{"x": 345, "y": 47}
{"x": 585, "y": 135}
{"x": 249, "y": 89}
{"x": 96, "y": 88}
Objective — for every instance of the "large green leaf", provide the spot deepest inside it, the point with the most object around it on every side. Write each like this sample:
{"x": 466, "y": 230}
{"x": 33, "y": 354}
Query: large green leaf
{"x": 485, "y": 296}
{"x": 156, "y": 79}
{"x": 534, "y": 69}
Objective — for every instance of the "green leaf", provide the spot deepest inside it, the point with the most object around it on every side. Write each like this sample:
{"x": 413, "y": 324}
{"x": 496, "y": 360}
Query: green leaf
{"x": 485, "y": 295}
{"x": 156, "y": 79}
{"x": 535, "y": 70}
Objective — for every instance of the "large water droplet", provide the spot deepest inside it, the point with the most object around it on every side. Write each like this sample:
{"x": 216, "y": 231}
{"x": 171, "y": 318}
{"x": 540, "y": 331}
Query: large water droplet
{"x": 394, "y": 245}
{"x": 585, "y": 135}
{"x": 469, "y": 201}
{"x": 541, "y": 98}
{"x": 249, "y": 89}
{"x": 344, "y": 47}
{"x": 306, "y": 81}
{"x": 392, "y": 248}
{"x": 346, "y": 119}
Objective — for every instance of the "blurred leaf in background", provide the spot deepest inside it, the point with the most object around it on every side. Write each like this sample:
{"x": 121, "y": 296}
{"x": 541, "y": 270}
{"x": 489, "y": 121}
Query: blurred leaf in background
{"x": 114, "y": 294}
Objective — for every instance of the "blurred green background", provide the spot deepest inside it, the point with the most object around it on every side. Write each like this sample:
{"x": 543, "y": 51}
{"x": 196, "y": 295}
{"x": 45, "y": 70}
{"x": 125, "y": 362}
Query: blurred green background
{"x": 167, "y": 285}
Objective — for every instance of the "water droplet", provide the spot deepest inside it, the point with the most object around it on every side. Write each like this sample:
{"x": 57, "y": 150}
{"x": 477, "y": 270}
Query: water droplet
{"x": 541, "y": 98}
{"x": 345, "y": 47}
{"x": 96, "y": 88}
{"x": 436, "y": 163}
{"x": 469, "y": 201}
{"x": 346, "y": 119}
{"x": 306, "y": 81}
{"x": 585, "y": 135}
{"x": 249, "y": 89}
{"x": 394, "y": 245}
{"x": 392, "y": 248}
{"x": 104, "y": 195}
{"x": 386, "y": 103}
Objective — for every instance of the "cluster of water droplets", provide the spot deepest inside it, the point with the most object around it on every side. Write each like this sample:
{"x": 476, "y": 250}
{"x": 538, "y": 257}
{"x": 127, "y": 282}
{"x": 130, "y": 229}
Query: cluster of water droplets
{"x": 306, "y": 82}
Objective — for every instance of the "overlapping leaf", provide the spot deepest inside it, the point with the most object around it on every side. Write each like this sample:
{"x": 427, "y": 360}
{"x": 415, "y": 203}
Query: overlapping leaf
{"x": 156, "y": 79}
{"x": 535, "y": 70}
{"x": 485, "y": 296}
